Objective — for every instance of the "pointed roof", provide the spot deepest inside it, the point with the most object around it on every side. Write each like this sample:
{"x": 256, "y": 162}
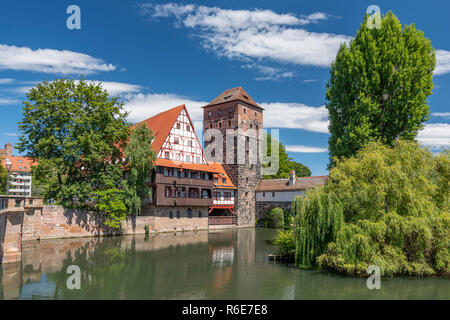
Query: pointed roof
{"x": 234, "y": 94}
{"x": 161, "y": 124}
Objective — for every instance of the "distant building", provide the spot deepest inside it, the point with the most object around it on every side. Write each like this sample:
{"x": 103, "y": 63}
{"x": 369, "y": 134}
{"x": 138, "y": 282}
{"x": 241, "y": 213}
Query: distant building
{"x": 20, "y": 180}
{"x": 281, "y": 192}
{"x": 7, "y": 151}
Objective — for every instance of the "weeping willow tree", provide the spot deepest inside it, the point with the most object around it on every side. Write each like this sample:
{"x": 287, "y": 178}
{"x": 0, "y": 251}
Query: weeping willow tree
{"x": 386, "y": 206}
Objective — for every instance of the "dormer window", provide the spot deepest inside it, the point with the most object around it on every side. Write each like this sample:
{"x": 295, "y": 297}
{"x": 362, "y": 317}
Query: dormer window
{"x": 227, "y": 97}
{"x": 245, "y": 97}
{"x": 224, "y": 180}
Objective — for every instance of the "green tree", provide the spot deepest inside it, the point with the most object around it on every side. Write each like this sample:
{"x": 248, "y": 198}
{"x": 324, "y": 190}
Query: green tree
{"x": 378, "y": 87}
{"x": 74, "y": 130}
{"x": 140, "y": 159}
{"x": 286, "y": 163}
{"x": 111, "y": 203}
{"x": 3, "y": 177}
{"x": 385, "y": 206}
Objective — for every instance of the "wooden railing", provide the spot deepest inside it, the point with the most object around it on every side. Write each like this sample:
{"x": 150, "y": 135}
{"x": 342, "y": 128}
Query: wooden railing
{"x": 222, "y": 220}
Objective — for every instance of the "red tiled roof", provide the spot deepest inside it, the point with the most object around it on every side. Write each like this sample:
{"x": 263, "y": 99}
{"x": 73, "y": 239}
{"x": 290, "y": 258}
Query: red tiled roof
{"x": 161, "y": 124}
{"x": 19, "y": 164}
{"x": 220, "y": 174}
{"x": 232, "y": 95}
{"x": 184, "y": 165}
{"x": 283, "y": 184}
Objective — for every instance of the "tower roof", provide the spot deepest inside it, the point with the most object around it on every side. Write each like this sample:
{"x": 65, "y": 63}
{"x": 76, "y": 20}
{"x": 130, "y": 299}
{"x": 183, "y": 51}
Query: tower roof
{"x": 232, "y": 95}
{"x": 161, "y": 124}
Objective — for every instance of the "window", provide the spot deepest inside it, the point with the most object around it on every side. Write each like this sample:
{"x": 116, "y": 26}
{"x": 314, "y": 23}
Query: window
{"x": 178, "y": 214}
{"x": 168, "y": 192}
{"x": 230, "y": 110}
{"x": 206, "y": 194}
{"x": 189, "y": 213}
{"x": 264, "y": 194}
{"x": 217, "y": 194}
{"x": 216, "y": 180}
{"x": 209, "y": 114}
{"x": 219, "y": 112}
{"x": 20, "y": 161}
{"x": 200, "y": 214}
{"x": 245, "y": 110}
{"x": 188, "y": 127}
{"x": 176, "y": 140}
{"x": 220, "y": 124}
{"x": 227, "y": 97}
{"x": 251, "y": 126}
{"x": 229, "y": 123}
{"x": 245, "y": 97}
{"x": 18, "y": 203}
{"x": 181, "y": 192}
{"x": 273, "y": 194}
{"x": 167, "y": 155}
{"x": 256, "y": 115}
{"x": 171, "y": 215}
{"x": 194, "y": 193}
{"x": 178, "y": 125}
{"x": 189, "y": 143}
{"x": 188, "y": 158}
{"x": 224, "y": 180}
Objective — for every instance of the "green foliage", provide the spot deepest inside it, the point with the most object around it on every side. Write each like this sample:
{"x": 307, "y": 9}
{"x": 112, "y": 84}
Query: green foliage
{"x": 74, "y": 129}
{"x": 285, "y": 242}
{"x": 288, "y": 219}
{"x": 111, "y": 203}
{"x": 3, "y": 177}
{"x": 274, "y": 219}
{"x": 378, "y": 87}
{"x": 139, "y": 163}
{"x": 286, "y": 163}
{"x": 386, "y": 206}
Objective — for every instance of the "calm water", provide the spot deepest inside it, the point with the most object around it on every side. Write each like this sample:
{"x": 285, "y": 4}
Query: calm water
{"x": 222, "y": 265}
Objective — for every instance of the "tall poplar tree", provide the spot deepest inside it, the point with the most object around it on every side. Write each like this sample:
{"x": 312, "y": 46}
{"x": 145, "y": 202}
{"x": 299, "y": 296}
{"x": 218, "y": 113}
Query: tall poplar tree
{"x": 378, "y": 87}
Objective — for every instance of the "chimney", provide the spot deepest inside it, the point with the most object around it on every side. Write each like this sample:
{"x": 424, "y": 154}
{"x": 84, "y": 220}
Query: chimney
{"x": 292, "y": 178}
{"x": 8, "y": 149}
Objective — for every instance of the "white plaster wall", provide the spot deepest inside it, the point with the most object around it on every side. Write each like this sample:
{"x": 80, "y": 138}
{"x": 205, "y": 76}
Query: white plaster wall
{"x": 280, "y": 196}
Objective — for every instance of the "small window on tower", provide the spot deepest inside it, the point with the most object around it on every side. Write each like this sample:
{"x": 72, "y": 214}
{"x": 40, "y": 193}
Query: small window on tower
{"x": 227, "y": 97}
{"x": 245, "y": 110}
{"x": 230, "y": 110}
{"x": 229, "y": 124}
{"x": 245, "y": 97}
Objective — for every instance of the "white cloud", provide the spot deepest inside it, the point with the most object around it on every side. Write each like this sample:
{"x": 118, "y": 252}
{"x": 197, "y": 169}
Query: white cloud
{"x": 142, "y": 106}
{"x": 50, "y": 61}
{"x": 441, "y": 114}
{"x": 295, "y": 116}
{"x": 435, "y": 135}
{"x": 10, "y": 134}
{"x": 260, "y": 34}
{"x": 305, "y": 149}
{"x": 6, "y": 80}
{"x": 269, "y": 73}
{"x": 442, "y": 62}
{"x": 7, "y": 101}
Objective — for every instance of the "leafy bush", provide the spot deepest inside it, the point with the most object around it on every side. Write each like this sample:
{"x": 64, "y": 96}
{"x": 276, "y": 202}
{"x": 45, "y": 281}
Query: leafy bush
{"x": 386, "y": 206}
{"x": 285, "y": 242}
{"x": 274, "y": 219}
{"x": 110, "y": 203}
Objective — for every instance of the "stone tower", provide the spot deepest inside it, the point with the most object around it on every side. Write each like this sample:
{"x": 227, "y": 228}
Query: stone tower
{"x": 235, "y": 111}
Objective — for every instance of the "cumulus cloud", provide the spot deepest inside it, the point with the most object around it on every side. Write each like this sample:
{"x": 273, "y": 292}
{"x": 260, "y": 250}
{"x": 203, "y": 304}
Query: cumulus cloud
{"x": 142, "y": 106}
{"x": 442, "y": 62}
{"x": 305, "y": 149}
{"x": 260, "y": 34}
{"x": 441, "y": 114}
{"x": 435, "y": 135}
{"x": 295, "y": 116}
{"x": 50, "y": 61}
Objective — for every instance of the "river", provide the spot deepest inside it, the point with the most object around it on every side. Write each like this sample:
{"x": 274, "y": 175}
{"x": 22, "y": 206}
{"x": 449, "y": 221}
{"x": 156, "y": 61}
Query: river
{"x": 229, "y": 264}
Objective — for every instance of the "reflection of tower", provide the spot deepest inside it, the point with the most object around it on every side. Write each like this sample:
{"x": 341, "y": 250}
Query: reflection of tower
{"x": 246, "y": 246}
{"x": 235, "y": 110}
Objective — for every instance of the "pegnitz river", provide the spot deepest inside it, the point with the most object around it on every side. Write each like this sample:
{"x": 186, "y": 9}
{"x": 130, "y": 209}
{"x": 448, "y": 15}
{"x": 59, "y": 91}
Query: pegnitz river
{"x": 230, "y": 264}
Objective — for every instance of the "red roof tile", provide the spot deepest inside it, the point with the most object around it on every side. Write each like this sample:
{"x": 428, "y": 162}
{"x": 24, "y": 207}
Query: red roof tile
{"x": 161, "y": 124}
{"x": 283, "y": 184}
{"x": 19, "y": 164}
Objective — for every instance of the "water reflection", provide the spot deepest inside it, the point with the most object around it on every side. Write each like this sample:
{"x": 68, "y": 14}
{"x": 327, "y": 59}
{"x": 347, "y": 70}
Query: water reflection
{"x": 193, "y": 265}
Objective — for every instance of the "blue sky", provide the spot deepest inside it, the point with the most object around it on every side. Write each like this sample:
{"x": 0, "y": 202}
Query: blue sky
{"x": 158, "y": 54}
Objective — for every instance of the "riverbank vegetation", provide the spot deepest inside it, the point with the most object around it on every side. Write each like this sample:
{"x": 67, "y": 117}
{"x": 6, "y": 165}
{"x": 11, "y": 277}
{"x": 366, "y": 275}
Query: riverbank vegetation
{"x": 385, "y": 206}
{"x": 87, "y": 155}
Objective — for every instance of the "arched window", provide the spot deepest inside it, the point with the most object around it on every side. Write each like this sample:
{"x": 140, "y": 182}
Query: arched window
{"x": 178, "y": 214}
{"x": 200, "y": 214}
{"x": 171, "y": 215}
{"x": 189, "y": 213}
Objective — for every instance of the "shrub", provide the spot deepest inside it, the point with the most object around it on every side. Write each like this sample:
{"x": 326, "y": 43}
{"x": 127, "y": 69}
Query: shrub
{"x": 285, "y": 242}
{"x": 274, "y": 219}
